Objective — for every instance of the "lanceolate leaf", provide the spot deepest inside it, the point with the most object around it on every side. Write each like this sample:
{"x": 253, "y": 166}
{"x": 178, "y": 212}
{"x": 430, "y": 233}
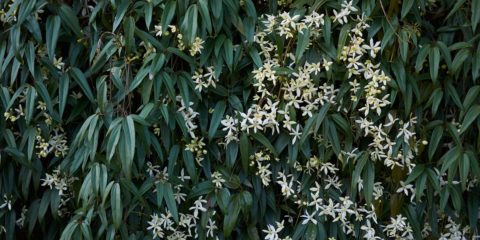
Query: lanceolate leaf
{"x": 434, "y": 62}
{"x": 53, "y": 31}
{"x": 82, "y": 82}
{"x": 470, "y": 116}
{"x": 116, "y": 203}
{"x": 216, "y": 118}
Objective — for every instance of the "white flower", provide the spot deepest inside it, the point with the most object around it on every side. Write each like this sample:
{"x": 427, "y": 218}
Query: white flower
{"x": 231, "y": 127}
{"x": 21, "y": 221}
{"x": 364, "y": 124}
{"x": 327, "y": 168}
{"x": 326, "y": 64}
{"x": 182, "y": 176}
{"x": 391, "y": 120}
{"x": 7, "y": 202}
{"x": 196, "y": 46}
{"x": 287, "y": 189}
{"x": 211, "y": 227}
{"x": 328, "y": 209}
{"x": 296, "y": 134}
{"x": 152, "y": 170}
{"x": 309, "y": 218}
{"x": 158, "y": 30}
{"x": 406, "y": 188}
{"x": 314, "y": 19}
{"x": 155, "y": 226}
{"x": 198, "y": 206}
{"x": 399, "y": 228}
{"x": 264, "y": 174}
{"x": 369, "y": 231}
{"x": 272, "y": 232}
{"x": 217, "y": 179}
{"x": 57, "y": 62}
{"x": 373, "y": 48}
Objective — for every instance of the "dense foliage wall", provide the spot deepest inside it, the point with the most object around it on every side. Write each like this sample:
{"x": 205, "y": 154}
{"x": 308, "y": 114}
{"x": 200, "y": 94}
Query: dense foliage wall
{"x": 249, "y": 119}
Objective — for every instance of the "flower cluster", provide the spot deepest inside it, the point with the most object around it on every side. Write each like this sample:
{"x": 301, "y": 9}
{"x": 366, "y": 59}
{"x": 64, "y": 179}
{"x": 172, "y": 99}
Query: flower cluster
{"x": 189, "y": 115}
{"x": 57, "y": 143}
{"x": 206, "y": 80}
{"x": 261, "y": 162}
{"x": 196, "y": 146}
{"x": 163, "y": 226}
{"x": 195, "y": 47}
{"x": 61, "y": 183}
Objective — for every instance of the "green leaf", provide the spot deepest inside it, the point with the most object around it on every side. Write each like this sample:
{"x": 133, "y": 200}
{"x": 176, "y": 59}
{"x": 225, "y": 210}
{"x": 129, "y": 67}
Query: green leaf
{"x": 69, "y": 230}
{"x": 129, "y": 29}
{"x": 362, "y": 160}
{"x": 108, "y": 50}
{"x": 181, "y": 54}
{"x": 216, "y": 7}
{"x": 369, "y": 180}
{"x": 420, "y": 185}
{"x": 228, "y": 53}
{"x": 43, "y": 92}
{"x": 464, "y": 168}
{"x": 434, "y": 141}
{"x": 231, "y": 154}
{"x": 461, "y": 56}
{"x": 434, "y": 62}
{"x": 189, "y": 163}
{"x": 190, "y": 23}
{"x": 471, "y": 96}
{"x": 69, "y": 18}
{"x": 230, "y": 219}
{"x": 168, "y": 13}
{"x": 452, "y": 92}
{"x": 406, "y": 6}
{"x": 311, "y": 232}
{"x": 321, "y": 115}
{"x": 120, "y": 13}
{"x": 63, "y": 93}
{"x": 472, "y": 206}
{"x": 403, "y": 45}
{"x": 253, "y": 53}
{"x": 129, "y": 132}
{"x": 30, "y": 105}
{"x": 205, "y": 14}
{"x": 449, "y": 158}
{"x": 470, "y": 116}
{"x": 114, "y": 137}
{"x": 417, "y": 171}
{"x": 244, "y": 151}
{"x": 139, "y": 78}
{"x": 82, "y": 82}
{"x": 342, "y": 38}
{"x": 52, "y": 30}
{"x": 422, "y": 54}
{"x": 148, "y": 11}
{"x": 455, "y": 8}
{"x": 308, "y": 126}
{"x": 263, "y": 140}
{"x": 475, "y": 14}
{"x": 436, "y": 99}
{"x": 302, "y": 43}
{"x": 31, "y": 134}
{"x": 170, "y": 201}
{"x": 399, "y": 70}
{"x": 216, "y": 118}
{"x": 30, "y": 56}
{"x": 116, "y": 204}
